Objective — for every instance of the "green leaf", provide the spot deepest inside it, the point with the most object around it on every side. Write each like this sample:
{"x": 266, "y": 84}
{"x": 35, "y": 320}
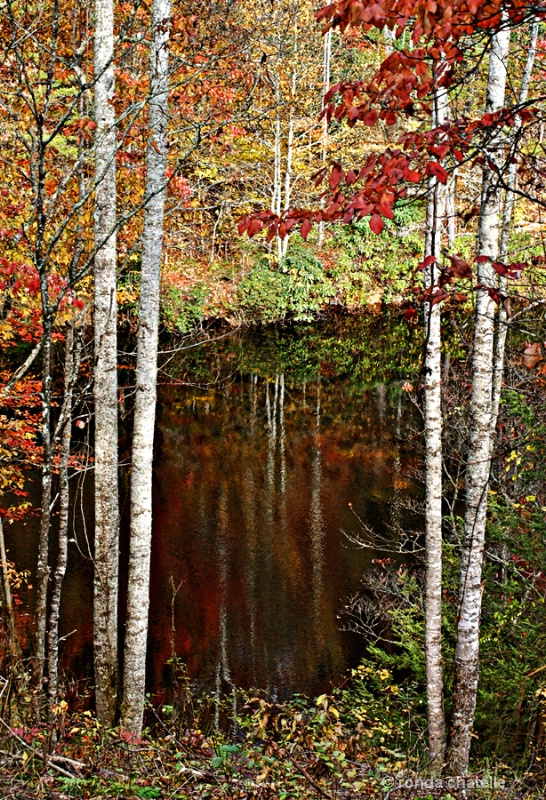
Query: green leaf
{"x": 230, "y": 748}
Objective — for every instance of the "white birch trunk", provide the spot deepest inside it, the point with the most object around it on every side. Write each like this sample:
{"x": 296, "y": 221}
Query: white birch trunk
{"x": 451, "y": 207}
{"x": 276, "y": 199}
{"x": 324, "y": 138}
{"x": 290, "y": 138}
{"x": 433, "y": 471}
{"x": 7, "y": 600}
{"x": 138, "y": 594}
{"x": 288, "y": 177}
{"x": 64, "y": 433}
{"x": 105, "y": 376}
{"x": 42, "y": 566}
{"x": 478, "y": 465}
{"x": 502, "y": 321}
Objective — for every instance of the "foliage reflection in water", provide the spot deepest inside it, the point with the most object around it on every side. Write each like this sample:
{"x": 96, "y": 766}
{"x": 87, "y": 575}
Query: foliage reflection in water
{"x": 256, "y": 478}
{"x": 258, "y": 471}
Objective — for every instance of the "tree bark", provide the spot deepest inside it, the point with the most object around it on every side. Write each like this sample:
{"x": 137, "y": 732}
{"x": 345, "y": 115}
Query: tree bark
{"x": 290, "y": 138}
{"x": 42, "y": 566}
{"x": 105, "y": 376}
{"x": 507, "y": 213}
{"x": 288, "y": 178}
{"x": 276, "y": 198}
{"x": 64, "y": 427}
{"x": 481, "y": 418}
{"x": 451, "y": 207}
{"x": 146, "y": 381}
{"x": 327, "y": 54}
{"x": 433, "y": 469}
{"x": 10, "y": 629}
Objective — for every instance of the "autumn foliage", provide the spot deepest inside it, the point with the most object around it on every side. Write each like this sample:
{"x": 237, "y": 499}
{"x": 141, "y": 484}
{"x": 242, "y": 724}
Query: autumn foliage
{"x": 442, "y": 36}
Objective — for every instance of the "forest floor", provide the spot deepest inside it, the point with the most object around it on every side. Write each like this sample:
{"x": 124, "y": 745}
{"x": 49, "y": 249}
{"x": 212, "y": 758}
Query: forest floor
{"x": 278, "y": 757}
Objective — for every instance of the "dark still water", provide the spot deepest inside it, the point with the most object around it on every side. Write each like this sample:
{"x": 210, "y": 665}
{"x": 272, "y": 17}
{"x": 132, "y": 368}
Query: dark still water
{"x": 268, "y": 444}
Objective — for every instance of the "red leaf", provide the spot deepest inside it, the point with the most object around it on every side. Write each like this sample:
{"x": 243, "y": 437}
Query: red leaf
{"x": 324, "y": 12}
{"x": 459, "y": 267}
{"x": 254, "y": 227}
{"x": 437, "y": 297}
{"x": 318, "y": 177}
{"x": 305, "y": 228}
{"x": 289, "y": 224}
{"x": 376, "y": 223}
{"x": 440, "y": 150}
{"x": 435, "y": 168}
{"x": 385, "y": 211}
{"x": 335, "y": 176}
{"x": 364, "y": 208}
{"x": 353, "y": 113}
{"x": 426, "y": 262}
{"x": 412, "y": 175}
{"x": 500, "y": 268}
{"x": 390, "y": 117}
{"x": 243, "y": 225}
{"x": 371, "y": 117}
{"x": 495, "y": 295}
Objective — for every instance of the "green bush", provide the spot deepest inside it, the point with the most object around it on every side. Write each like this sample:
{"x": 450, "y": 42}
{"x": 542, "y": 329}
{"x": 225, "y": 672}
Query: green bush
{"x": 366, "y": 263}
{"x": 182, "y": 309}
{"x": 297, "y": 289}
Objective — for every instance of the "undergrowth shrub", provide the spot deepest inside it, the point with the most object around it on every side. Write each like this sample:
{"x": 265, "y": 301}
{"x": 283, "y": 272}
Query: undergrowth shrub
{"x": 297, "y": 289}
{"x": 183, "y": 307}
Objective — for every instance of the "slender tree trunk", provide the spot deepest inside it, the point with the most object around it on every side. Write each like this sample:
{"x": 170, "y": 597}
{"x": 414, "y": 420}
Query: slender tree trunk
{"x": 317, "y": 531}
{"x": 42, "y": 567}
{"x": 146, "y": 380}
{"x": 433, "y": 470}
{"x": 72, "y": 365}
{"x": 288, "y": 177}
{"x": 105, "y": 376}
{"x": 276, "y": 199}
{"x": 478, "y": 464}
{"x": 290, "y": 138}
{"x": 502, "y": 320}
{"x": 451, "y": 208}
{"x": 327, "y": 53}
{"x": 7, "y": 600}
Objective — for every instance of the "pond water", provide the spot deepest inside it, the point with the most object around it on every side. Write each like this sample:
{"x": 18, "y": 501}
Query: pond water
{"x": 269, "y": 446}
